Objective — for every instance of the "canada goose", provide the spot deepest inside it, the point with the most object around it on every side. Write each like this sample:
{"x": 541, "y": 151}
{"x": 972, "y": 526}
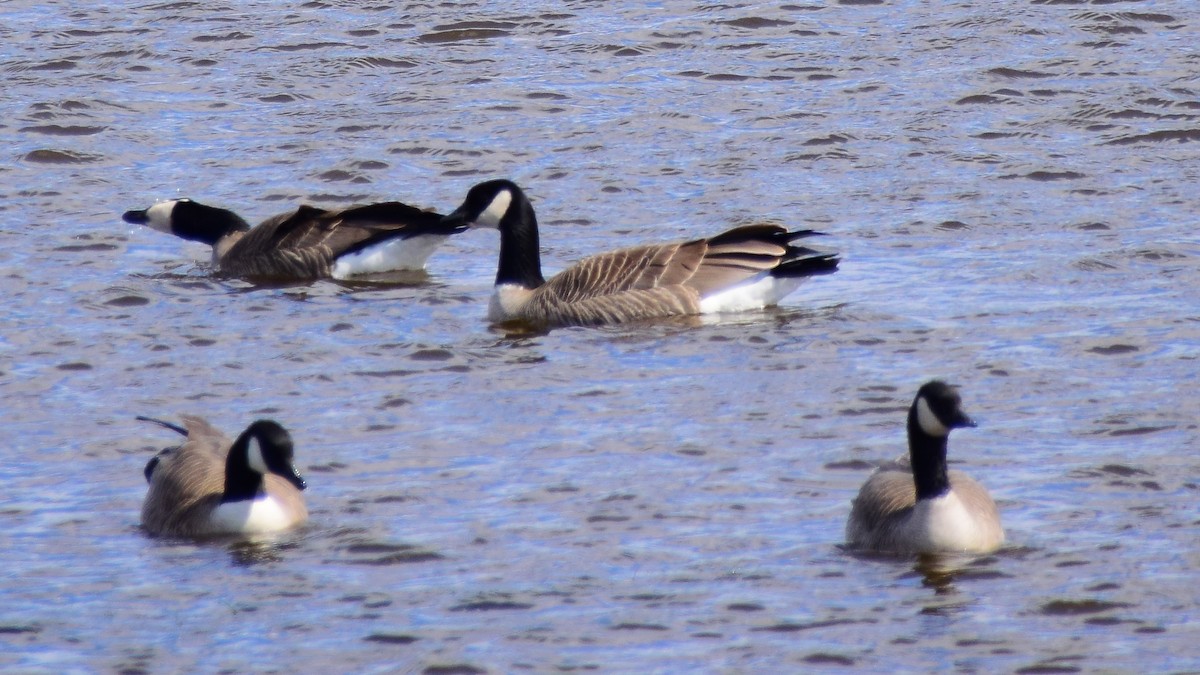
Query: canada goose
{"x": 308, "y": 243}
{"x": 209, "y": 486}
{"x": 917, "y": 506}
{"x": 744, "y": 268}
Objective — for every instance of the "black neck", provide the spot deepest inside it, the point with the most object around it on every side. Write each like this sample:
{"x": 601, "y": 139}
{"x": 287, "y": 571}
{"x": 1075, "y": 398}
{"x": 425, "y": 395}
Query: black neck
{"x": 520, "y": 254}
{"x": 928, "y": 457}
{"x": 205, "y": 224}
{"x": 241, "y": 482}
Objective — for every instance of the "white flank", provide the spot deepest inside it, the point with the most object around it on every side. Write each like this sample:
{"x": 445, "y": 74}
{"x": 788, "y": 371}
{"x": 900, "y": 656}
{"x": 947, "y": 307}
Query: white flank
{"x": 944, "y": 524}
{"x": 761, "y": 290}
{"x": 158, "y": 217}
{"x": 929, "y": 422}
{"x": 394, "y": 255}
{"x": 495, "y": 211}
{"x": 250, "y": 516}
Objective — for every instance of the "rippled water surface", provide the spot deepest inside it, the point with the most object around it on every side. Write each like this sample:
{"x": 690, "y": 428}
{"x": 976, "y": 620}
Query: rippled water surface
{"x": 1014, "y": 190}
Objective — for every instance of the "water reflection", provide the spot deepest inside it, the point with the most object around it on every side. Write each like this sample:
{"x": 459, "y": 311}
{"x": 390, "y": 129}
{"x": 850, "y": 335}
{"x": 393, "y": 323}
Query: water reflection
{"x": 248, "y": 553}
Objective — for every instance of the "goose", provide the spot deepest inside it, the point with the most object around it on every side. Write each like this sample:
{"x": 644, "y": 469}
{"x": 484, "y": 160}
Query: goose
{"x": 745, "y": 268}
{"x": 209, "y": 486}
{"x": 308, "y": 243}
{"x": 918, "y": 506}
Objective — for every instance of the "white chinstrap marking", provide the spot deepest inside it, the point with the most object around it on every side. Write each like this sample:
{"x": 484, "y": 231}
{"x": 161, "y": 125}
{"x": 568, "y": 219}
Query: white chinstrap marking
{"x": 761, "y": 290}
{"x": 492, "y": 215}
{"x": 158, "y": 217}
{"x": 928, "y": 421}
{"x": 251, "y": 516}
{"x": 393, "y": 255}
{"x": 254, "y": 457}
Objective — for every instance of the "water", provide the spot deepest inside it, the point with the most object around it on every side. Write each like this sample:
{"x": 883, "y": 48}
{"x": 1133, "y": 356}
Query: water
{"x": 1012, "y": 186}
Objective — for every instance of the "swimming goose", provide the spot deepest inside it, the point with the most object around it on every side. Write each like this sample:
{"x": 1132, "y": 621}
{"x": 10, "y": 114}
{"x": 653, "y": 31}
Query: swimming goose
{"x": 917, "y": 506}
{"x": 308, "y": 243}
{"x": 209, "y": 486}
{"x": 744, "y": 268}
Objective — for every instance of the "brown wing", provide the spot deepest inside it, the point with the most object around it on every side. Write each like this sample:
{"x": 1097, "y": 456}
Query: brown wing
{"x": 187, "y": 482}
{"x": 739, "y": 254}
{"x": 885, "y": 500}
{"x": 704, "y": 265}
{"x": 641, "y": 267}
{"x": 347, "y": 229}
{"x": 619, "y": 307}
{"x": 658, "y": 280}
{"x": 304, "y": 243}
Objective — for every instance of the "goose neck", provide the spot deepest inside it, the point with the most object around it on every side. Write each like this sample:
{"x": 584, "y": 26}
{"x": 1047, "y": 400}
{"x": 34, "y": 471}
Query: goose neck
{"x": 927, "y": 454}
{"x": 520, "y": 255}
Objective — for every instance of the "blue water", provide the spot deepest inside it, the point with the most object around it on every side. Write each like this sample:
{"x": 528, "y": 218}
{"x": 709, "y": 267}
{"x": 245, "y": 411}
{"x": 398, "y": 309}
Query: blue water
{"x": 1012, "y": 190}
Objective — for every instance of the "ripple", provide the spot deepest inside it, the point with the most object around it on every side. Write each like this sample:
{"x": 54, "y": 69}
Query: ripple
{"x": 384, "y": 62}
{"x": 1109, "y": 350}
{"x": 227, "y": 37}
{"x": 128, "y": 301}
{"x": 453, "y": 669}
{"x": 1079, "y": 607}
{"x": 63, "y": 130}
{"x": 788, "y": 627}
{"x": 443, "y": 36}
{"x": 61, "y": 157}
{"x": 1017, "y": 74}
{"x": 307, "y": 46}
{"x": 60, "y": 64}
{"x": 1167, "y": 135}
{"x": 378, "y": 553}
{"x": 490, "y": 606}
{"x": 754, "y": 22}
{"x": 84, "y": 248}
{"x": 392, "y": 638}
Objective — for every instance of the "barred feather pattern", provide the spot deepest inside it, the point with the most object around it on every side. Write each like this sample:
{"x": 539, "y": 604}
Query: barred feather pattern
{"x": 653, "y": 281}
{"x": 188, "y": 482}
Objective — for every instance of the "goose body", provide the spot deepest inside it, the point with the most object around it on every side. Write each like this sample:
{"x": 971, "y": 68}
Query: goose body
{"x": 917, "y": 505}
{"x": 308, "y": 243}
{"x": 211, "y": 486}
{"x": 745, "y": 268}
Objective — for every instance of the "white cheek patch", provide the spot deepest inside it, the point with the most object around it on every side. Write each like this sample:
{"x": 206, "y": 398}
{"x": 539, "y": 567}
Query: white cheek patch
{"x": 254, "y": 457}
{"x": 158, "y": 217}
{"x": 495, "y": 211}
{"x": 929, "y": 422}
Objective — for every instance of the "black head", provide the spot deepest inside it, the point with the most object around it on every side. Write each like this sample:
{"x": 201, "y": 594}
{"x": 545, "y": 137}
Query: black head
{"x": 189, "y": 220}
{"x": 264, "y": 447}
{"x": 937, "y": 409}
{"x": 502, "y": 205}
{"x": 487, "y": 204}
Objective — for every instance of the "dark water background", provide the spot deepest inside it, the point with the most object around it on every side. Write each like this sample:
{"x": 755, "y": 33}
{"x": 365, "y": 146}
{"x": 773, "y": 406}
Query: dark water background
{"x": 1013, "y": 186}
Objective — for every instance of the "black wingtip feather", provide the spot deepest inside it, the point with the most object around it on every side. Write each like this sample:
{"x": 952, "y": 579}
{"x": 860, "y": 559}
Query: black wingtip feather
{"x": 809, "y": 266}
{"x": 173, "y": 427}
